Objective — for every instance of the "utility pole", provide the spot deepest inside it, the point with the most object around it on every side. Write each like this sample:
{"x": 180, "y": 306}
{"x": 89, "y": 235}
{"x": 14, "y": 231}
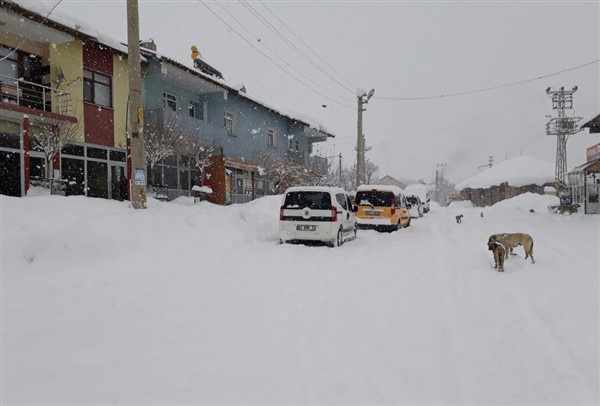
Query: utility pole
{"x": 341, "y": 170}
{"x": 561, "y": 126}
{"x": 363, "y": 99}
{"x": 135, "y": 136}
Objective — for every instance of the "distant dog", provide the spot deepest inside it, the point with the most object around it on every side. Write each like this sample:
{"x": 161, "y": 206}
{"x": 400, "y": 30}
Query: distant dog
{"x": 498, "y": 250}
{"x": 459, "y": 218}
{"x": 568, "y": 209}
{"x": 512, "y": 240}
{"x": 481, "y": 214}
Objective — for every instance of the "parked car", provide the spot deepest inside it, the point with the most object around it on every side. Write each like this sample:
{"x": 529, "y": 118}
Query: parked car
{"x": 415, "y": 205}
{"x": 317, "y": 213}
{"x": 381, "y": 207}
{"x": 422, "y": 191}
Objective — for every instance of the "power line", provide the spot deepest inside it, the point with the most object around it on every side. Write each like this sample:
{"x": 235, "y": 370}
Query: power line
{"x": 25, "y": 39}
{"x": 270, "y": 59}
{"x": 278, "y": 33}
{"x": 306, "y": 45}
{"x": 485, "y": 89}
{"x": 274, "y": 53}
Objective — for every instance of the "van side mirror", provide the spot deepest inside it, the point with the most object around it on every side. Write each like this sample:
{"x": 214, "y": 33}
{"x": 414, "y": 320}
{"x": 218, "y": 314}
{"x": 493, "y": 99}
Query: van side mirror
{"x": 408, "y": 205}
{"x": 354, "y": 208}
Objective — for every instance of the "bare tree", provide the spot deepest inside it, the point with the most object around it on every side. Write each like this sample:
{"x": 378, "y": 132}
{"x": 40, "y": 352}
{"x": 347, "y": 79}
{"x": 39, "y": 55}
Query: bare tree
{"x": 162, "y": 139}
{"x": 51, "y": 136}
{"x": 284, "y": 173}
{"x": 370, "y": 171}
{"x": 201, "y": 151}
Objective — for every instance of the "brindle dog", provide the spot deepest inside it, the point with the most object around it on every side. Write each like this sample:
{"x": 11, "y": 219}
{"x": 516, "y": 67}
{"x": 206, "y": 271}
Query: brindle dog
{"x": 512, "y": 240}
{"x": 499, "y": 250}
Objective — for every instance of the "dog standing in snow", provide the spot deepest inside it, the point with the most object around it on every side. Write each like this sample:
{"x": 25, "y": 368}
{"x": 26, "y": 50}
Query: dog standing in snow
{"x": 498, "y": 250}
{"x": 459, "y": 218}
{"x": 513, "y": 240}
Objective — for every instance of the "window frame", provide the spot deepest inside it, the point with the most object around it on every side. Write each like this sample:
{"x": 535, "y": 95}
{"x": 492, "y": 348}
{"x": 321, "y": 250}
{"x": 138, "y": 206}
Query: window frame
{"x": 272, "y": 138}
{"x": 95, "y": 84}
{"x": 169, "y": 98}
{"x": 229, "y": 118}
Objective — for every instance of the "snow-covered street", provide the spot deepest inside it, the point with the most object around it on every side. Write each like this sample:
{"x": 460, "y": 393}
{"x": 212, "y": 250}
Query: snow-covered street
{"x": 198, "y": 304}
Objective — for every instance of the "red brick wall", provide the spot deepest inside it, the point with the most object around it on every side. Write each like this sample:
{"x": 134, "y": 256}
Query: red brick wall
{"x": 98, "y": 120}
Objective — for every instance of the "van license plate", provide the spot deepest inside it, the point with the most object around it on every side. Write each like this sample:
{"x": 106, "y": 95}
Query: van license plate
{"x": 305, "y": 228}
{"x": 372, "y": 213}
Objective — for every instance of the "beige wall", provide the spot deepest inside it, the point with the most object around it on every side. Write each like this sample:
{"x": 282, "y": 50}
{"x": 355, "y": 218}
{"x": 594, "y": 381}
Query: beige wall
{"x": 68, "y": 57}
{"x": 120, "y": 93}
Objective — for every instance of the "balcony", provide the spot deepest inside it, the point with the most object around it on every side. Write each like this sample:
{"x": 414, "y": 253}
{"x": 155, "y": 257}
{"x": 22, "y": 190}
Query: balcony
{"x": 34, "y": 95}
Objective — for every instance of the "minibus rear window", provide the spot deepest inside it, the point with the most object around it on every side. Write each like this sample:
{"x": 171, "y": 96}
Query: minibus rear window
{"x": 312, "y": 200}
{"x": 374, "y": 198}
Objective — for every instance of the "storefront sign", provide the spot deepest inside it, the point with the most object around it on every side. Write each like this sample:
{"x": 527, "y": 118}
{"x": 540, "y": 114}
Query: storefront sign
{"x": 593, "y": 152}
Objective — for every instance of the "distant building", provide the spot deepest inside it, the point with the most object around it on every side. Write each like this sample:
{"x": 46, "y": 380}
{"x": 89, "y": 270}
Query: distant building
{"x": 507, "y": 179}
{"x": 388, "y": 180}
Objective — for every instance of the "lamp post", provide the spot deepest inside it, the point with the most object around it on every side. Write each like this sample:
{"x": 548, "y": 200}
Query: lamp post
{"x": 363, "y": 98}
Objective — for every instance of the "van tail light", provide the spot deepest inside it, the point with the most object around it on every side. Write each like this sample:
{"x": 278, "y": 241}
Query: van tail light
{"x": 393, "y": 206}
{"x": 281, "y": 213}
{"x": 333, "y": 213}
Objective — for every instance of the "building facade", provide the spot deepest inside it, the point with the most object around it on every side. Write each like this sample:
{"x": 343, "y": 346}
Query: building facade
{"x": 54, "y": 72}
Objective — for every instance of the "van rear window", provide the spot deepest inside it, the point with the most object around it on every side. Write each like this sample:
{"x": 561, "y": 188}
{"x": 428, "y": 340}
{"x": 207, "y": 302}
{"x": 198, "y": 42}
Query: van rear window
{"x": 312, "y": 200}
{"x": 374, "y": 198}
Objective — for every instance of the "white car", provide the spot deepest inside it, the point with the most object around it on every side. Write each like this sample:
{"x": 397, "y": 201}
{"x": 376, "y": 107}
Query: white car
{"x": 317, "y": 213}
{"x": 416, "y": 206}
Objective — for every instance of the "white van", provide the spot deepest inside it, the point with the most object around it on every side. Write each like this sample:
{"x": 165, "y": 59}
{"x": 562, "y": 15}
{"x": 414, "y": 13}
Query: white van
{"x": 317, "y": 213}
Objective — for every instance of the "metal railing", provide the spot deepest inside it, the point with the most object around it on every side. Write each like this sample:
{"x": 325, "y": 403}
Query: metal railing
{"x": 34, "y": 95}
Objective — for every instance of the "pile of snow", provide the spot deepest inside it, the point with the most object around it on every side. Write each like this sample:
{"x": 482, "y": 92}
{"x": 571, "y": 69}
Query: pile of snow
{"x": 519, "y": 171}
{"x": 187, "y": 303}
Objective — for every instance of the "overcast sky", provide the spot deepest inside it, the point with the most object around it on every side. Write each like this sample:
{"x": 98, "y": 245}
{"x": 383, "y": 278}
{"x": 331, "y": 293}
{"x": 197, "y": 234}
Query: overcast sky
{"x": 402, "y": 50}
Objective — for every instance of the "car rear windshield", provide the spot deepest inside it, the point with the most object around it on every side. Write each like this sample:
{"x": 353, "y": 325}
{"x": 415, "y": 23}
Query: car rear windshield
{"x": 312, "y": 200}
{"x": 374, "y": 198}
{"x": 412, "y": 200}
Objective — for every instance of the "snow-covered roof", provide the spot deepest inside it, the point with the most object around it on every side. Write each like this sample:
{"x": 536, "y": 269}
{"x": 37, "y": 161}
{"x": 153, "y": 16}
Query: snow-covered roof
{"x": 74, "y": 24}
{"x": 519, "y": 171}
{"x": 44, "y": 10}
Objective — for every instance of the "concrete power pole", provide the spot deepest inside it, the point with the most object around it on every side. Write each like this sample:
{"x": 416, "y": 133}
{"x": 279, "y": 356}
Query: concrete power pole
{"x": 135, "y": 137}
{"x": 561, "y": 126}
{"x": 341, "y": 184}
{"x": 360, "y": 139}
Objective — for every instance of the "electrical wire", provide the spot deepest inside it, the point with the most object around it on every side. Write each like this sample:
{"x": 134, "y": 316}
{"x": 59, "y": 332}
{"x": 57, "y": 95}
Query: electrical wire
{"x": 274, "y": 53}
{"x": 271, "y": 60}
{"x": 25, "y": 39}
{"x": 306, "y": 45}
{"x": 485, "y": 89}
{"x": 278, "y": 33}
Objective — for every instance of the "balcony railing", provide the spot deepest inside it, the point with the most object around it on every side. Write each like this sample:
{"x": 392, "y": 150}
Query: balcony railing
{"x": 33, "y": 95}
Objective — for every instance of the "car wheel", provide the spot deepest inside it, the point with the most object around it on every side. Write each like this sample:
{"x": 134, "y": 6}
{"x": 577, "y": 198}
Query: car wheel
{"x": 408, "y": 224}
{"x": 339, "y": 241}
{"x": 399, "y": 225}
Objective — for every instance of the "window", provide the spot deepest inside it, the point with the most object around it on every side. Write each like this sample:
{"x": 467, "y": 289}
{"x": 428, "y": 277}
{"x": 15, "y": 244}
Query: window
{"x": 196, "y": 111}
{"x": 271, "y": 137}
{"x": 97, "y": 88}
{"x": 342, "y": 201}
{"x": 290, "y": 142}
{"x": 169, "y": 101}
{"x": 297, "y": 145}
{"x": 229, "y": 122}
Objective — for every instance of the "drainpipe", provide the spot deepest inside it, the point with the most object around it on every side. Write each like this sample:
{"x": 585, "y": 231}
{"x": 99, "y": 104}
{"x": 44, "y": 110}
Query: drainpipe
{"x": 26, "y": 149}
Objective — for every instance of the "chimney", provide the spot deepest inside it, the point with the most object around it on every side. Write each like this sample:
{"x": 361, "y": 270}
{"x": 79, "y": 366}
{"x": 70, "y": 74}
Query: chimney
{"x": 148, "y": 44}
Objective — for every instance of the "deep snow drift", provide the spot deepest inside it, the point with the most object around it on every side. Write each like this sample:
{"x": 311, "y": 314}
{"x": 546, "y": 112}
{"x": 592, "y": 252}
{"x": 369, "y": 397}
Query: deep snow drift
{"x": 198, "y": 304}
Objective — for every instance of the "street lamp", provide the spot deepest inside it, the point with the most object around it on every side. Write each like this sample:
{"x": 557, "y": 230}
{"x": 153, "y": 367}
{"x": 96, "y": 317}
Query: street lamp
{"x": 363, "y": 98}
